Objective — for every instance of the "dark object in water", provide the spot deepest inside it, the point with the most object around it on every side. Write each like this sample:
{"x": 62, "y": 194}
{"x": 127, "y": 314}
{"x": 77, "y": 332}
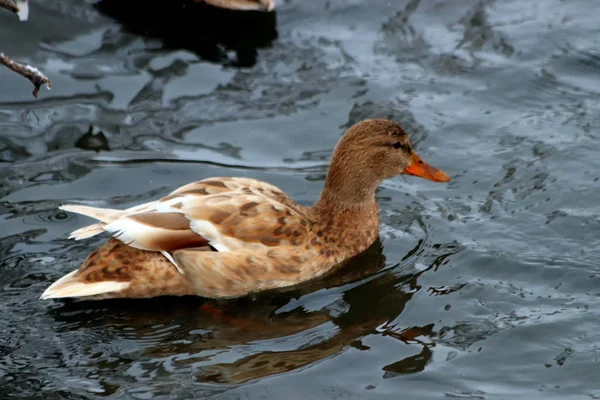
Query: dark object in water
{"x": 208, "y": 31}
{"x": 93, "y": 141}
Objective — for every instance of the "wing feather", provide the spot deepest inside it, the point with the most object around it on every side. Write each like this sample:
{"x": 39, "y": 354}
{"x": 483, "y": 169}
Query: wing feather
{"x": 227, "y": 213}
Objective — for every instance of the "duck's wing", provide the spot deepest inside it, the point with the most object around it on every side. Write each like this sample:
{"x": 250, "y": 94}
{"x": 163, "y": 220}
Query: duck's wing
{"x": 225, "y": 213}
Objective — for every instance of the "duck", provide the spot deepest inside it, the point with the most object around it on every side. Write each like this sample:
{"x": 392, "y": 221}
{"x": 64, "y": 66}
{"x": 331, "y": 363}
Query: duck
{"x": 229, "y": 237}
{"x": 242, "y": 5}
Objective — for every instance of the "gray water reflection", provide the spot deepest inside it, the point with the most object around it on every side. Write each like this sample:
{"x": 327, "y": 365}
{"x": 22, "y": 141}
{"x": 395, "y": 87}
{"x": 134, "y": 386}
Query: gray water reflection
{"x": 483, "y": 288}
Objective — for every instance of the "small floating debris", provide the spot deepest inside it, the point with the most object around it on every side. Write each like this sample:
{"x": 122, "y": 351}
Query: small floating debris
{"x": 95, "y": 141}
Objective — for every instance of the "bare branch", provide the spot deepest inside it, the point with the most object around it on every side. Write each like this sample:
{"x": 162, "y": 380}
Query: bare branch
{"x": 36, "y": 77}
{"x": 9, "y": 5}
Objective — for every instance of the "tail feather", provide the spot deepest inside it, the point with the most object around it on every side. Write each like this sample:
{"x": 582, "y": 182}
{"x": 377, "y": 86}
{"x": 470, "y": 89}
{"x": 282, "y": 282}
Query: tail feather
{"x": 106, "y": 215}
{"x": 70, "y": 286}
{"x": 87, "y": 231}
{"x": 115, "y": 270}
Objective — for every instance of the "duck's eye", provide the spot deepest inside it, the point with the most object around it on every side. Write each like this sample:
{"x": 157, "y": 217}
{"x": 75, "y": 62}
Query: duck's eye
{"x": 398, "y": 145}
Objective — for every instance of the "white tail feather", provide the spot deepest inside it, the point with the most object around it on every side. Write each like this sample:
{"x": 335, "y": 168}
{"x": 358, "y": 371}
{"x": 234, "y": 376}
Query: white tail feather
{"x": 67, "y": 286}
{"x": 106, "y": 215}
{"x": 87, "y": 231}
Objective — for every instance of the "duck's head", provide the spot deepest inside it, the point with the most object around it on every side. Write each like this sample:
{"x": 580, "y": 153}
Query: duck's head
{"x": 384, "y": 147}
{"x": 245, "y": 5}
{"x": 371, "y": 151}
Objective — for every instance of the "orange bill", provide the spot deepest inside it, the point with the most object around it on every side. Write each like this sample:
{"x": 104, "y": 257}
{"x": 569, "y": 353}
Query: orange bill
{"x": 420, "y": 168}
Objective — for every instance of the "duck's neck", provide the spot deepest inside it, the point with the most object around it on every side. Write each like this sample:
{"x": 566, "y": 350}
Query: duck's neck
{"x": 346, "y": 215}
{"x": 348, "y": 189}
{"x": 333, "y": 201}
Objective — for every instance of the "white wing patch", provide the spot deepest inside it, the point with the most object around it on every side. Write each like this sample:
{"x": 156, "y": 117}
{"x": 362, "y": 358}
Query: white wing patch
{"x": 130, "y": 232}
{"x": 209, "y": 232}
{"x": 135, "y": 234}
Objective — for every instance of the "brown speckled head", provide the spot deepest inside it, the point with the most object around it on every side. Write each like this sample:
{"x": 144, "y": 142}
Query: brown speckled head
{"x": 369, "y": 152}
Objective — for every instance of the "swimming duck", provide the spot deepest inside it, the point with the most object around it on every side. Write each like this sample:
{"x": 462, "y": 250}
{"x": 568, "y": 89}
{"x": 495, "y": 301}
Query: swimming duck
{"x": 245, "y": 5}
{"x": 229, "y": 237}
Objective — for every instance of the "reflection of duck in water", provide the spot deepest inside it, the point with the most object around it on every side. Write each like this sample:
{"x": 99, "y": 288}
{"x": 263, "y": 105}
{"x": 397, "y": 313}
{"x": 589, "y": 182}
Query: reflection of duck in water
{"x": 269, "y": 334}
{"x": 263, "y": 239}
{"x": 210, "y": 28}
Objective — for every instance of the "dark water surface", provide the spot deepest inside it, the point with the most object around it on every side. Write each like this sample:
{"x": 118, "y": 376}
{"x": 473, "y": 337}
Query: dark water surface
{"x": 485, "y": 288}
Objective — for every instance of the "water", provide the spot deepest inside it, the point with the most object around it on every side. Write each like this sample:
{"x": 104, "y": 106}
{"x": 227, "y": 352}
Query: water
{"x": 485, "y": 288}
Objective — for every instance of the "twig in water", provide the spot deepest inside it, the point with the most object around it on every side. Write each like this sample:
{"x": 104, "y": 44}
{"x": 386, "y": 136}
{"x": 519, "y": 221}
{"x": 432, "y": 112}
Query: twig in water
{"x": 36, "y": 77}
{"x": 9, "y": 5}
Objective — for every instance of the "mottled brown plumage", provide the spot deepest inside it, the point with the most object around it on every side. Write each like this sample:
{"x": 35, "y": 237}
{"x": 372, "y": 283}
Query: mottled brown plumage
{"x": 148, "y": 272}
{"x": 264, "y": 240}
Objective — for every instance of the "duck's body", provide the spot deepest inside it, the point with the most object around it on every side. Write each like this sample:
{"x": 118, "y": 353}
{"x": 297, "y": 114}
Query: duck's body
{"x": 263, "y": 239}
